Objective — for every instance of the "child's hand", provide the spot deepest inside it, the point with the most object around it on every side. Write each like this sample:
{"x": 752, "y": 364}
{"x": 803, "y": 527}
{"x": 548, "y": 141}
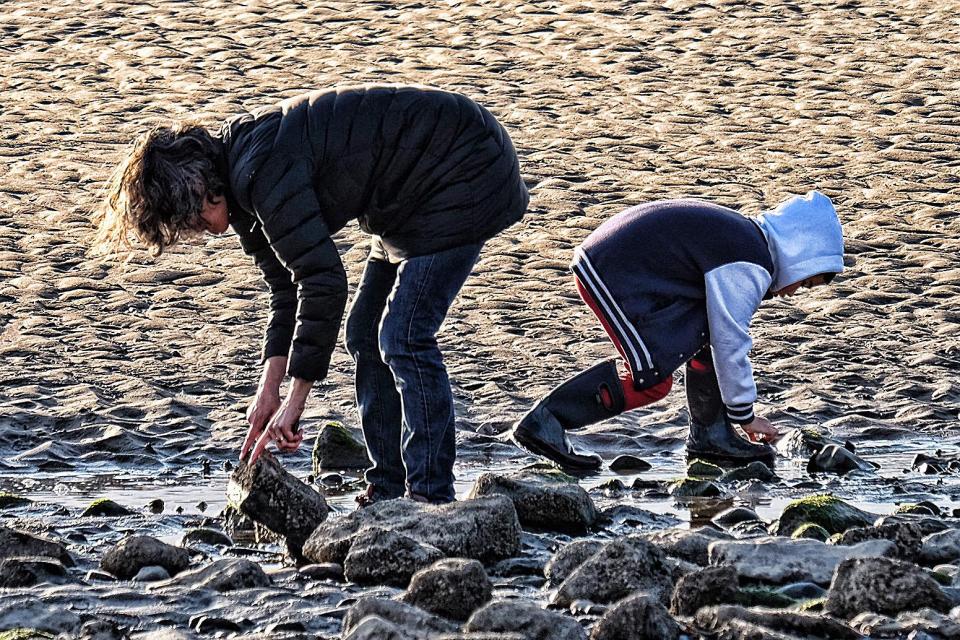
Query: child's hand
{"x": 761, "y": 430}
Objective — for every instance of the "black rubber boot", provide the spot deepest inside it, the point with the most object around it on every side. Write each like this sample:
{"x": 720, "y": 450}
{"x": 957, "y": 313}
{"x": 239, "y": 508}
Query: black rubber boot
{"x": 712, "y": 436}
{"x": 577, "y": 402}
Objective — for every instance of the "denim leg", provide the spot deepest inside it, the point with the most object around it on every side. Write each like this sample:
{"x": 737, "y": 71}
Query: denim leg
{"x": 418, "y": 304}
{"x": 378, "y": 401}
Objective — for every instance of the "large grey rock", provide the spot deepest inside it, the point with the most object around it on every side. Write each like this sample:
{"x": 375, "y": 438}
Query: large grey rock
{"x": 221, "y": 575}
{"x": 15, "y": 543}
{"x": 380, "y": 556}
{"x": 336, "y": 448}
{"x": 453, "y": 588}
{"x": 882, "y": 585}
{"x": 907, "y": 536}
{"x": 941, "y": 547}
{"x": 713, "y": 585}
{"x": 268, "y": 494}
{"x": 485, "y": 529}
{"x": 105, "y": 508}
{"x": 136, "y": 552}
{"x": 412, "y": 621}
{"x": 535, "y": 623}
{"x": 29, "y": 571}
{"x": 782, "y": 560}
{"x": 569, "y": 557}
{"x": 620, "y": 568}
{"x": 540, "y": 502}
{"x": 761, "y": 624}
{"x": 151, "y": 574}
{"x": 830, "y": 512}
{"x": 686, "y": 544}
{"x": 638, "y": 617}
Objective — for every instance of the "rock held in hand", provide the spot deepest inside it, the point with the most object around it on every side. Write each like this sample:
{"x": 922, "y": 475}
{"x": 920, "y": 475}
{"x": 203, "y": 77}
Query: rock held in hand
{"x": 266, "y": 493}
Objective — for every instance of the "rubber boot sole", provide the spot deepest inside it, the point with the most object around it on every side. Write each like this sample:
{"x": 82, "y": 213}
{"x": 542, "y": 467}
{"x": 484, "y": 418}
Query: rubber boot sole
{"x": 537, "y": 447}
{"x": 768, "y": 459}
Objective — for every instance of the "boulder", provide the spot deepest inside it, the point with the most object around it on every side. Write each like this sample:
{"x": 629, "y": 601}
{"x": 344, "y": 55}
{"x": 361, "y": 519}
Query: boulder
{"x": 621, "y": 567}
{"x": 810, "y": 531}
{"x": 941, "y": 547}
{"x": 325, "y": 571}
{"x": 376, "y": 628}
{"x": 734, "y": 622}
{"x": 713, "y": 585}
{"x": 695, "y": 488}
{"x": 13, "y": 501}
{"x": 380, "y": 556}
{"x": 831, "y": 513}
{"x": 526, "y": 618}
{"x": 136, "y": 552}
{"x": 569, "y": 557}
{"x": 30, "y": 612}
{"x": 782, "y": 560}
{"x": 105, "y": 507}
{"x": 453, "y": 588}
{"x": 268, "y": 494}
{"x": 15, "y": 543}
{"x": 211, "y": 537}
{"x": 224, "y": 575}
{"x": 756, "y": 470}
{"x": 834, "y": 458}
{"x": 907, "y": 536}
{"x": 337, "y": 448}
{"x": 629, "y": 464}
{"x": 925, "y": 621}
{"x": 151, "y": 574}
{"x": 804, "y": 442}
{"x": 540, "y": 504}
{"x": 29, "y": 571}
{"x": 412, "y": 621}
{"x": 485, "y": 529}
{"x": 703, "y": 469}
{"x": 882, "y": 585}
{"x": 687, "y": 544}
{"x": 733, "y": 516}
{"x": 628, "y": 515}
{"x": 637, "y": 617}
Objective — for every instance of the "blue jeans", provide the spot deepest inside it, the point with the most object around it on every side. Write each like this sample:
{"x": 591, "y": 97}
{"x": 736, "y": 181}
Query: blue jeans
{"x": 403, "y": 392}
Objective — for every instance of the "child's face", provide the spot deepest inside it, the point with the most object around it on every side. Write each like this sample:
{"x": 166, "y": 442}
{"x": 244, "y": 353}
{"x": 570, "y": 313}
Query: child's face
{"x": 213, "y": 218}
{"x": 809, "y": 283}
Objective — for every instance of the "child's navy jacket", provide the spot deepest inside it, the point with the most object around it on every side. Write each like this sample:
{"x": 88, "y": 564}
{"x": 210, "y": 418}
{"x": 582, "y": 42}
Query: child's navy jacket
{"x": 674, "y": 275}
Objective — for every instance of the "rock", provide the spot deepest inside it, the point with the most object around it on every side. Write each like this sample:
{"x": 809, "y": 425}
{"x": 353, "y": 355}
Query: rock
{"x": 29, "y": 571}
{"x": 703, "y": 469}
{"x": 522, "y": 566}
{"x": 550, "y": 506}
{"x": 453, "y": 588}
{"x": 11, "y": 501}
{"x": 376, "y": 628}
{"x": 33, "y": 614}
{"x": 781, "y": 560}
{"x": 906, "y": 535}
{"x": 155, "y": 506}
{"x": 239, "y": 527}
{"x": 568, "y": 558}
{"x": 803, "y": 442}
{"x": 638, "y": 617}
{"x": 151, "y": 574}
{"x": 927, "y": 525}
{"x": 734, "y": 516}
{"x": 882, "y": 585}
{"x": 324, "y": 571}
{"x": 15, "y": 543}
{"x": 228, "y": 574}
{"x": 380, "y": 556}
{"x": 336, "y": 448}
{"x": 411, "y": 620}
{"x": 136, "y": 552}
{"x": 833, "y": 514}
{"x": 206, "y": 536}
{"x": 634, "y": 517}
{"x": 101, "y": 630}
{"x": 923, "y": 508}
{"x": 268, "y": 494}
{"x": 629, "y": 464}
{"x": 833, "y": 458}
{"x": 611, "y": 487}
{"x": 941, "y": 547}
{"x": 695, "y": 488}
{"x": 205, "y": 624}
{"x": 762, "y": 596}
{"x": 714, "y": 585}
{"x": 810, "y": 531}
{"x": 687, "y": 544}
{"x": 730, "y": 618}
{"x": 756, "y": 470}
{"x": 621, "y": 567}
{"x": 105, "y": 508}
{"x": 803, "y": 591}
{"x": 485, "y": 529}
{"x": 923, "y": 621}
{"x": 526, "y": 618}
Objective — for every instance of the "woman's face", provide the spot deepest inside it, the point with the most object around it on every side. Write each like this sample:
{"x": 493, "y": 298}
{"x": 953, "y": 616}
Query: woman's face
{"x": 213, "y": 218}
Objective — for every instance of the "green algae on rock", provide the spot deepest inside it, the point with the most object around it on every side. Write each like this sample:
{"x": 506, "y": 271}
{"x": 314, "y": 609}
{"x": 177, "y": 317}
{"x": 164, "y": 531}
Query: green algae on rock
{"x": 811, "y": 531}
{"x": 336, "y": 448}
{"x": 105, "y": 507}
{"x": 24, "y": 634}
{"x": 702, "y": 469}
{"x": 694, "y": 488}
{"x": 829, "y": 512}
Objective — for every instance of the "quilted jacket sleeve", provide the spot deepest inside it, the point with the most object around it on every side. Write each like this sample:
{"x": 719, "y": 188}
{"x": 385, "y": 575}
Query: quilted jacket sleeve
{"x": 283, "y": 199}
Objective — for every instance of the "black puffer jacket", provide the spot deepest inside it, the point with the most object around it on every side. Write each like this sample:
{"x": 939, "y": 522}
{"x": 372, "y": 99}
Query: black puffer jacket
{"x": 426, "y": 170}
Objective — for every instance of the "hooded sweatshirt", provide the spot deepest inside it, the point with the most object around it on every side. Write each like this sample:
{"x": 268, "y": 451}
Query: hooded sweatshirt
{"x": 674, "y": 275}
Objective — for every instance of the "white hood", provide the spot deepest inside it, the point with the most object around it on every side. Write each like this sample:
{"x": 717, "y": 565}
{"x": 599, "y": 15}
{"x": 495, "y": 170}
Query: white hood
{"x": 804, "y": 237}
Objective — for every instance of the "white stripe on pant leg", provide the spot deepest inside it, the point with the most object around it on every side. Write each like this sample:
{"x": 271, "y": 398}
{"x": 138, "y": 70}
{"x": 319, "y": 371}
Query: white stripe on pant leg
{"x": 595, "y": 277}
{"x": 635, "y": 365}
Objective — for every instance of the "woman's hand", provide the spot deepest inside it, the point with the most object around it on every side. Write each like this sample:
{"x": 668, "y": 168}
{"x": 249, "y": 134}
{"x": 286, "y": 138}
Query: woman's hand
{"x": 761, "y": 430}
{"x": 266, "y": 403}
{"x": 284, "y": 426}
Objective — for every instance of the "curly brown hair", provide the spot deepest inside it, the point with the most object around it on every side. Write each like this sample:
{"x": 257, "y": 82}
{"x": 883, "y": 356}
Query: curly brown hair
{"x": 158, "y": 191}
